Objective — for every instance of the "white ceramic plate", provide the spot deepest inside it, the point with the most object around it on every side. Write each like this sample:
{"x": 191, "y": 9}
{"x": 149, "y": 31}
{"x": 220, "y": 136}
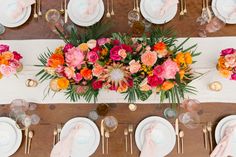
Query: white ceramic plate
{"x": 87, "y": 138}
{"x": 76, "y": 9}
{"x": 149, "y": 9}
{"x": 6, "y": 9}
{"x": 223, "y": 8}
{"x": 163, "y": 135}
{"x": 10, "y": 137}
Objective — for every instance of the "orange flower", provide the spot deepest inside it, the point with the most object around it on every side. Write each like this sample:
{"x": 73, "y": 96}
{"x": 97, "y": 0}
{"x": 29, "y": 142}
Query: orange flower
{"x": 221, "y": 63}
{"x": 83, "y": 47}
{"x": 63, "y": 83}
{"x": 160, "y": 46}
{"x": 0, "y": 75}
{"x": 104, "y": 52}
{"x": 59, "y": 50}
{"x": 167, "y": 85}
{"x": 225, "y": 73}
{"x": 122, "y": 88}
{"x": 188, "y": 58}
{"x": 181, "y": 73}
{"x": 55, "y": 60}
{"x": 180, "y": 58}
{"x": 3, "y": 61}
{"x": 86, "y": 73}
{"x": 7, "y": 55}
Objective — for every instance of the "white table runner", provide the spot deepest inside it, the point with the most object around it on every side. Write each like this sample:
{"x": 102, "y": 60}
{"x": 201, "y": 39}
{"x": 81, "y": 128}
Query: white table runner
{"x": 12, "y": 87}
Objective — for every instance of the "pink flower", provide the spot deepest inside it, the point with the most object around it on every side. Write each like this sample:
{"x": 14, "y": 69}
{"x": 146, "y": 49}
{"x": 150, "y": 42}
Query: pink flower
{"x": 97, "y": 84}
{"x": 116, "y": 42}
{"x": 122, "y": 53}
{"x": 77, "y": 77}
{"x": 102, "y": 41}
{"x": 4, "y": 48}
{"x": 7, "y": 70}
{"x": 130, "y": 83}
{"x": 144, "y": 86}
{"x": 74, "y": 57}
{"x": 92, "y": 43}
{"x": 17, "y": 56}
{"x": 230, "y": 60}
{"x": 149, "y": 58}
{"x": 127, "y": 48}
{"x": 158, "y": 71}
{"x": 170, "y": 69}
{"x": 15, "y": 64}
{"x": 81, "y": 89}
{"x": 139, "y": 47}
{"x": 154, "y": 81}
{"x": 67, "y": 47}
{"x": 60, "y": 70}
{"x": 92, "y": 56}
{"x": 114, "y": 53}
{"x": 97, "y": 70}
{"x": 69, "y": 72}
{"x": 233, "y": 77}
{"x": 227, "y": 51}
{"x": 134, "y": 66}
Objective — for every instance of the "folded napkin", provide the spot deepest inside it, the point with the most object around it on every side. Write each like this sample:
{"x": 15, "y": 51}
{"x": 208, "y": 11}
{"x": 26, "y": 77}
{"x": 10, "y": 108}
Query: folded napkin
{"x": 166, "y": 6}
{"x": 223, "y": 149}
{"x": 149, "y": 148}
{"x": 64, "y": 147}
{"x": 92, "y": 4}
{"x": 21, "y": 5}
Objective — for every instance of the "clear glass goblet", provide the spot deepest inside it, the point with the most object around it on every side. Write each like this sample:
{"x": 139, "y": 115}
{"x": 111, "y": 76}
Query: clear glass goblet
{"x": 110, "y": 123}
{"x": 54, "y": 19}
{"x": 190, "y": 120}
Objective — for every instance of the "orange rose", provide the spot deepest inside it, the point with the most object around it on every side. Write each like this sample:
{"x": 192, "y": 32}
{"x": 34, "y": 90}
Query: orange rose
{"x": 180, "y": 58}
{"x": 86, "y": 73}
{"x": 55, "y": 60}
{"x": 3, "y": 61}
{"x": 83, "y": 47}
{"x": 181, "y": 74}
{"x": 225, "y": 73}
{"x": 167, "y": 85}
{"x": 160, "y": 46}
{"x": 7, "y": 55}
{"x": 221, "y": 63}
{"x": 63, "y": 83}
{"x": 122, "y": 88}
{"x": 188, "y": 58}
{"x": 104, "y": 52}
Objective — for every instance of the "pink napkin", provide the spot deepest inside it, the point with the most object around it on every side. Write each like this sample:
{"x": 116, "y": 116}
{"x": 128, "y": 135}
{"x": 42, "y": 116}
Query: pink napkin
{"x": 21, "y": 5}
{"x": 63, "y": 148}
{"x": 92, "y": 7}
{"x": 223, "y": 149}
{"x": 166, "y": 6}
{"x": 149, "y": 148}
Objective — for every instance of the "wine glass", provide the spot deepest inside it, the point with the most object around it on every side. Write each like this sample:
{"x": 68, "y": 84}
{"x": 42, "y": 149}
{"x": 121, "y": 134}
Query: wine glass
{"x": 54, "y": 19}
{"x": 102, "y": 109}
{"x": 133, "y": 16}
{"x": 192, "y": 105}
{"x": 190, "y": 119}
{"x": 110, "y": 123}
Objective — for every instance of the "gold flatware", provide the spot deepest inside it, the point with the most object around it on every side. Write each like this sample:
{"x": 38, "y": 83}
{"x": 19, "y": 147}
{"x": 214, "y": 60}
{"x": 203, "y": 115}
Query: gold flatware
{"x": 35, "y": 10}
{"x": 134, "y": 5}
{"x": 108, "y": 15}
{"x": 208, "y": 11}
{"x": 107, "y": 135}
{"x": 209, "y": 129}
{"x": 204, "y": 130}
{"x": 62, "y": 11}
{"x": 58, "y": 132}
{"x": 126, "y": 139}
{"x": 66, "y": 13}
{"x": 177, "y": 134}
{"x": 31, "y": 134}
{"x": 181, "y": 8}
{"x": 185, "y": 6}
{"x": 39, "y": 8}
{"x": 26, "y": 139}
{"x": 102, "y": 134}
{"x": 181, "y": 135}
{"x": 112, "y": 8}
{"x": 54, "y": 136}
{"x": 137, "y": 6}
{"x": 130, "y": 130}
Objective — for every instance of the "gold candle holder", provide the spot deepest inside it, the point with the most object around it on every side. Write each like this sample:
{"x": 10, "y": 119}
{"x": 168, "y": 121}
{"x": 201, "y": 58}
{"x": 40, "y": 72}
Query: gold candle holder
{"x": 215, "y": 86}
{"x": 132, "y": 107}
{"x": 31, "y": 83}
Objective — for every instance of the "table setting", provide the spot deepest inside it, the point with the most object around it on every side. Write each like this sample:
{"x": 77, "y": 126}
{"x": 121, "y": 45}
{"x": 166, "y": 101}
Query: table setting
{"x": 144, "y": 78}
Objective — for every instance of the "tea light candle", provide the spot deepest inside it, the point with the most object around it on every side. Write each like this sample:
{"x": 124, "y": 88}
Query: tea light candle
{"x": 132, "y": 107}
{"x": 31, "y": 83}
{"x": 215, "y": 86}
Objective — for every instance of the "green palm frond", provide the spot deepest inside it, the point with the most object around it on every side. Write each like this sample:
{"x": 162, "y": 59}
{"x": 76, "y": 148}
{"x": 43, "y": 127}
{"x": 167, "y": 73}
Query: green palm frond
{"x": 71, "y": 94}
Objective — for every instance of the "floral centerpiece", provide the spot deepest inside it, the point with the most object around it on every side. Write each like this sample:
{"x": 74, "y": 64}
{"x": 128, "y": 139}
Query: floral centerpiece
{"x": 227, "y": 63}
{"x": 131, "y": 66}
{"x": 9, "y": 61}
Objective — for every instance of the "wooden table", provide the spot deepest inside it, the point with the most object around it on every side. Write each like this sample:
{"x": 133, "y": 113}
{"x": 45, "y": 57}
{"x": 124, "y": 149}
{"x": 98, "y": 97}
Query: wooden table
{"x": 51, "y": 115}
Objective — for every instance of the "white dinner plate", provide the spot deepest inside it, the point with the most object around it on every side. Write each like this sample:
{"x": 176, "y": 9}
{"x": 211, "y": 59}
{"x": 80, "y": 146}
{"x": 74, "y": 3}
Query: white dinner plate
{"x": 220, "y": 129}
{"x": 6, "y": 9}
{"x": 76, "y": 15}
{"x": 150, "y": 8}
{"x": 163, "y": 134}
{"x": 223, "y": 8}
{"x": 87, "y": 139}
{"x": 10, "y": 137}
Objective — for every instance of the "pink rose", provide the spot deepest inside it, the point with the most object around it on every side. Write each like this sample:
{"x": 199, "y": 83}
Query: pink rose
{"x": 139, "y": 47}
{"x": 92, "y": 43}
{"x": 7, "y": 70}
{"x": 17, "y": 56}
{"x": 158, "y": 71}
{"x": 67, "y": 47}
{"x": 227, "y": 51}
{"x": 116, "y": 42}
{"x": 170, "y": 69}
{"x": 134, "y": 66}
{"x": 4, "y": 48}
{"x": 114, "y": 53}
{"x": 77, "y": 77}
{"x": 74, "y": 57}
{"x": 60, "y": 70}
{"x": 102, "y": 41}
{"x": 15, "y": 64}
{"x": 149, "y": 58}
{"x": 154, "y": 81}
{"x": 97, "y": 84}
{"x": 97, "y": 70}
{"x": 122, "y": 53}
{"x": 230, "y": 60}
{"x": 69, "y": 72}
{"x": 92, "y": 56}
{"x": 233, "y": 77}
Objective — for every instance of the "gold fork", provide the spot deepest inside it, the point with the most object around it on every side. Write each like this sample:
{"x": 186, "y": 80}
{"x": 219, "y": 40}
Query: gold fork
{"x": 131, "y": 129}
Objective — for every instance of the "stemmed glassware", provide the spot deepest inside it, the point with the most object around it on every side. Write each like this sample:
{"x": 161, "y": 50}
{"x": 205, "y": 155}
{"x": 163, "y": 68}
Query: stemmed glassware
{"x": 54, "y": 19}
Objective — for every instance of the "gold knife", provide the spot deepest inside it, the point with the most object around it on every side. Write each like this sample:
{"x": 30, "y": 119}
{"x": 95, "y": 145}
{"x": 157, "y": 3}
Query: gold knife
{"x": 66, "y": 14}
{"x": 102, "y": 134}
{"x": 177, "y": 134}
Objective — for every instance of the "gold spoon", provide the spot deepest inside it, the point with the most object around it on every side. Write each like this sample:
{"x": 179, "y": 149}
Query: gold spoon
{"x": 62, "y": 11}
{"x": 35, "y": 10}
{"x": 39, "y": 8}
{"x": 54, "y": 136}
{"x": 181, "y": 135}
{"x": 205, "y": 136}
{"x": 112, "y": 8}
{"x": 108, "y": 15}
{"x": 31, "y": 134}
{"x": 126, "y": 139}
{"x": 137, "y": 4}
{"x": 58, "y": 132}
{"x": 134, "y": 5}
{"x": 185, "y": 6}
{"x": 131, "y": 129}
{"x": 107, "y": 135}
